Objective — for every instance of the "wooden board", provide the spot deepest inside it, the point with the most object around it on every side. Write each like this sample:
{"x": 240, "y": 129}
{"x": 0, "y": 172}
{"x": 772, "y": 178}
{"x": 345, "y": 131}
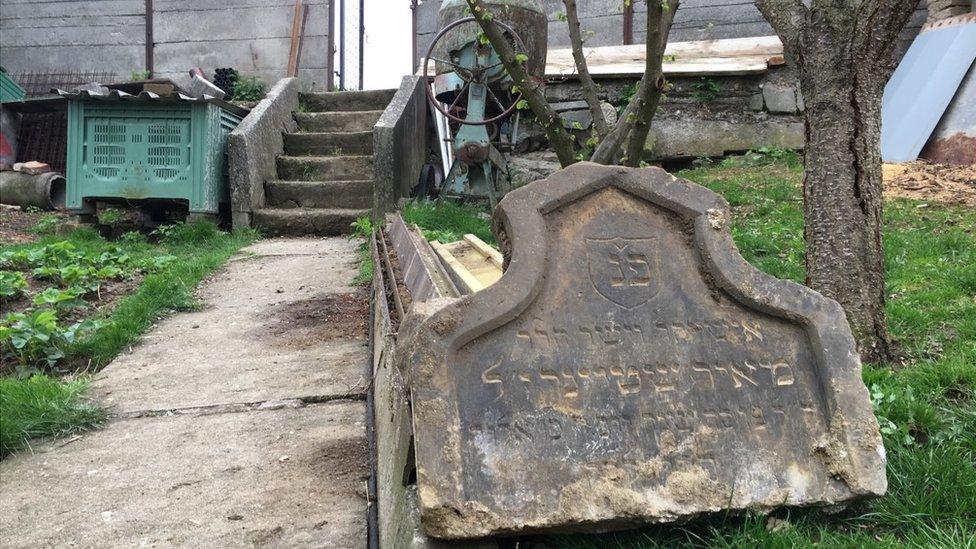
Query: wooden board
{"x": 729, "y": 56}
{"x": 471, "y": 263}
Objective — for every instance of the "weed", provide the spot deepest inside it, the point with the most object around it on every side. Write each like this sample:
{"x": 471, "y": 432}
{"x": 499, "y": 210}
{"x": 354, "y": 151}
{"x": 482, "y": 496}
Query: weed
{"x": 763, "y": 156}
{"x": 625, "y": 97}
{"x": 42, "y": 406}
{"x": 705, "y": 90}
{"x": 249, "y": 88}
{"x": 133, "y": 237}
{"x": 363, "y": 228}
{"x": 12, "y": 284}
{"x": 34, "y": 340}
{"x": 60, "y": 299}
{"x": 46, "y": 224}
{"x": 109, "y": 217}
{"x": 140, "y": 75}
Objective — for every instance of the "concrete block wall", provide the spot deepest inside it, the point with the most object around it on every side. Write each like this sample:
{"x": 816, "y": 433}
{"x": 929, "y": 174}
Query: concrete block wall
{"x": 694, "y": 20}
{"x": 253, "y": 36}
{"x": 73, "y": 35}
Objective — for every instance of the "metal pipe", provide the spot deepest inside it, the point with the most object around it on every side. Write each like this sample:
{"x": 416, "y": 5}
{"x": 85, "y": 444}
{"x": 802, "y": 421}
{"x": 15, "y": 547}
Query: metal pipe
{"x": 342, "y": 45}
{"x": 45, "y": 191}
{"x": 150, "y": 45}
{"x": 628, "y": 23}
{"x": 330, "y": 62}
{"x": 385, "y": 257}
{"x": 372, "y": 514}
{"x": 362, "y": 34}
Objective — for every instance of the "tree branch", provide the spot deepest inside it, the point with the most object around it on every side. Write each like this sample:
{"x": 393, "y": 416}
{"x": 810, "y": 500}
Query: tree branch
{"x": 609, "y": 148}
{"x": 587, "y": 85}
{"x": 660, "y": 15}
{"x": 532, "y": 87}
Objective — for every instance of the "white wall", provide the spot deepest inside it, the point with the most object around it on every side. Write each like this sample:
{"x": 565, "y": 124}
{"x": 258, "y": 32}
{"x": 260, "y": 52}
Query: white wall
{"x": 387, "y": 56}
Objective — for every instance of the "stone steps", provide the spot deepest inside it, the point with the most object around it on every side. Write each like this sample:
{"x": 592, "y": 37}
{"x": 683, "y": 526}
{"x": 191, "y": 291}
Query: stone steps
{"x": 325, "y": 168}
{"x": 319, "y": 194}
{"x": 370, "y": 100}
{"x": 301, "y": 221}
{"x": 329, "y": 143}
{"x": 325, "y": 176}
{"x": 340, "y": 121}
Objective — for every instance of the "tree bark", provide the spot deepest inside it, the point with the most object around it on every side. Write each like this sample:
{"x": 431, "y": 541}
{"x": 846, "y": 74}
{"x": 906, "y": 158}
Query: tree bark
{"x": 660, "y": 15}
{"x": 842, "y": 52}
{"x": 532, "y": 87}
{"x": 587, "y": 85}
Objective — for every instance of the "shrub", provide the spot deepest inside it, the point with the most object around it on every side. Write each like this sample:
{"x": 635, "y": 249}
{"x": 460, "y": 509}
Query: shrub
{"x": 249, "y": 88}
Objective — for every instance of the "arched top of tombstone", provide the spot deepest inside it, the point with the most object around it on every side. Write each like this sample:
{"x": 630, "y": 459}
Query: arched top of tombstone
{"x": 630, "y": 366}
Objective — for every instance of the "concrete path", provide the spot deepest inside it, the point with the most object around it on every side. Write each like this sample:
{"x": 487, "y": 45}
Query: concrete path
{"x": 241, "y": 425}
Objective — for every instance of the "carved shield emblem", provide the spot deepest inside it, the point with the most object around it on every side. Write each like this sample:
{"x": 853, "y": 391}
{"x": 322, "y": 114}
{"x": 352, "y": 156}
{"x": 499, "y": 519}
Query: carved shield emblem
{"x": 623, "y": 269}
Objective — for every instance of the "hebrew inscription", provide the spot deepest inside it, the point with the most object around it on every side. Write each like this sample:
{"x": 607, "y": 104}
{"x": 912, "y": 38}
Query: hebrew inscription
{"x": 629, "y": 376}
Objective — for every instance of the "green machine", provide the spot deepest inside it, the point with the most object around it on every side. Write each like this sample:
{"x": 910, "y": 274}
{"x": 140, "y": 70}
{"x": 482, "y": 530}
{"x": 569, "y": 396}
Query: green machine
{"x": 148, "y": 151}
{"x": 473, "y": 92}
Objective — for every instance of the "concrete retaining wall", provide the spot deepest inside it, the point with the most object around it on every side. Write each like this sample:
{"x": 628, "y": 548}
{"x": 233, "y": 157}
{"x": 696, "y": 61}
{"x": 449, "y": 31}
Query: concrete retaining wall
{"x": 399, "y": 146}
{"x": 253, "y": 36}
{"x": 253, "y": 146}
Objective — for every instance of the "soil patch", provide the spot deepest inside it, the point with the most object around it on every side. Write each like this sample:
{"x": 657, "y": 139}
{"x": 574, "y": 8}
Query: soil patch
{"x": 15, "y": 224}
{"x": 303, "y": 324}
{"x": 922, "y": 180}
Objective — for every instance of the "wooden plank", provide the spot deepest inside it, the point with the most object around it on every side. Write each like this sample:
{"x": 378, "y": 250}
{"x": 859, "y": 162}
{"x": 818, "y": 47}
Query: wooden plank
{"x": 729, "y": 56}
{"x": 296, "y": 24}
{"x": 490, "y": 253}
{"x": 469, "y": 282}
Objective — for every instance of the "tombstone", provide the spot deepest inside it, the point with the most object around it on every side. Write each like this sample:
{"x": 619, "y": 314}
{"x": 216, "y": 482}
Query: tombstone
{"x": 631, "y": 367}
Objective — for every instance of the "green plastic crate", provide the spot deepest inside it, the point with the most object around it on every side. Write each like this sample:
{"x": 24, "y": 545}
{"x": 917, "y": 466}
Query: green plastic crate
{"x": 126, "y": 150}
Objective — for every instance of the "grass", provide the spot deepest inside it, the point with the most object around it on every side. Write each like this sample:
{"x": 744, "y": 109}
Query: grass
{"x": 925, "y": 403}
{"x": 31, "y": 406}
{"x": 446, "y": 221}
{"x": 42, "y": 406}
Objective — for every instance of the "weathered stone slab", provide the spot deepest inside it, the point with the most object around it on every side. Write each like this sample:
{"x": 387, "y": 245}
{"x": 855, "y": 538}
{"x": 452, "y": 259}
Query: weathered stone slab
{"x": 631, "y": 367}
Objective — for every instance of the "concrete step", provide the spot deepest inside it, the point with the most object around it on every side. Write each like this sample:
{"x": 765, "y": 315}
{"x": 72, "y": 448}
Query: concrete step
{"x": 325, "y": 168}
{"x": 351, "y": 121}
{"x": 329, "y": 143}
{"x": 302, "y": 221}
{"x": 319, "y": 194}
{"x": 369, "y": 100}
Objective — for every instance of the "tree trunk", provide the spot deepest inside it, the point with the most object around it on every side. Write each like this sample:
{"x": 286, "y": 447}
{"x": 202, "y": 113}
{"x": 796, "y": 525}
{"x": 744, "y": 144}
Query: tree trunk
{"x": 587, "y": 85}
{"x": 842, "y": 50}
{"x": 660, "y": 15}
{"x": 842, "y": 186}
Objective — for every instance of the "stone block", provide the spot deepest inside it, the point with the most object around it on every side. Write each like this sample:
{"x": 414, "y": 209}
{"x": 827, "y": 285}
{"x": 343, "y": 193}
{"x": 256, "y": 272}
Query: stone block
{"x": 631, "y": 367}
{"x": 779, "y": 98}
{"x": 692, "y": 137}
{"x": 756, "y": 102}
